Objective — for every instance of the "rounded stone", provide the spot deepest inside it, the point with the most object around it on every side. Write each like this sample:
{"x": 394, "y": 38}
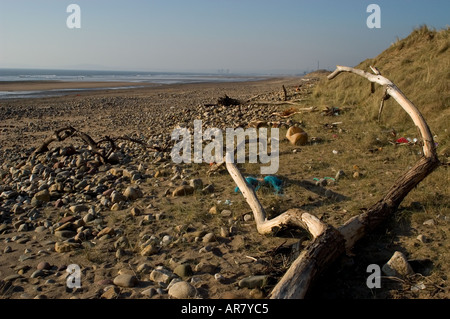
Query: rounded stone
{"x": 132, "y": 193}
{"x": 43, "y": 265}
{"x": 182, "y": 290}
{"x": 183, "y": 270}
{"x": 125, "y": 280}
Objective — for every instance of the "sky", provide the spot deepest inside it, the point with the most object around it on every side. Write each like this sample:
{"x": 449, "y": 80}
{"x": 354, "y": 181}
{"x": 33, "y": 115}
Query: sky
{"x": 242, "y": 36}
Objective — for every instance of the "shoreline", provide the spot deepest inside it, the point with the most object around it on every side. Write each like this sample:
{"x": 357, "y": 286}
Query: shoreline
{"x": 17, "y": 86}
{"x": 12, "y": 90}
{"x": 28, "y": 90}
{"x": 99, "y": 110}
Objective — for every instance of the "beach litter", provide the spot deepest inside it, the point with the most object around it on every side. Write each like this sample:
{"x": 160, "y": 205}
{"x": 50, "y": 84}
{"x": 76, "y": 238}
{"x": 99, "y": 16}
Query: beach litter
{"x": 271, "y": 181}
{"x": 297, "y": 136}
{"x": 407, "y": 140}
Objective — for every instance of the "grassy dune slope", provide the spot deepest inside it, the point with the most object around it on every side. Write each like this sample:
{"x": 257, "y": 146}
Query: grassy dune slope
{"x": 420, "y": 66}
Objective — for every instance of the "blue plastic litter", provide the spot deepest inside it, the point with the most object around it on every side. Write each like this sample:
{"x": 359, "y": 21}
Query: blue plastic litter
{"x": 273, "y": 181}
{"x": 253, "y": 182}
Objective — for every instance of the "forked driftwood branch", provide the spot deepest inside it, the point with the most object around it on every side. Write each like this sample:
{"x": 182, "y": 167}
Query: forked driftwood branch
{"x": 96, "y": 147}
{"x": 328, "y": 242}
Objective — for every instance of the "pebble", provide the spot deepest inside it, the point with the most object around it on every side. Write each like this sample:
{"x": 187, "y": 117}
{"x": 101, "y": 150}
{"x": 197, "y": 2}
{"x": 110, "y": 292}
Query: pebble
{"x": 219, "y": 277}
{"x": 38, "y": 273}
{"x": 149, "y": 250}
{"x": 106, "y": 231}
{"x": 204, "y": 267}
{"x": 224, "y": 232}
{"x": 135, "y": 212}
{"x": 143, "y": 268}
{"x": 43, "y": 196}
{"x": 208, "y": 238}
{"x": 125, "y": 280}
{"x": 226, "y": 213}
{"x": 183, "y": 190}
{"x": 196, "y": 183}
{"x": 89, "y": 217}
{"x": 160, "y": 274}
{"x": 182, "y": 290}
{"x": 183, "y": 270}
{"x": 12, "y": 277}
{"x": 43, "y": 265}
{"x": 423, "y": 239}
{"x": 253, "y": 282}
{"x": 78, "y": 209}
{"x": 111, "y": 293}
{"x": 132, "y": 193}
{"x": 40, "y": 229}
{"x": 398, "y": 266}
{"x": 65, "y": 247}
{"x": 150, "y": 292}
{"x": 340, "y": 174}
{"x": 429, "y": 222}
{"x": 65, "y": 233}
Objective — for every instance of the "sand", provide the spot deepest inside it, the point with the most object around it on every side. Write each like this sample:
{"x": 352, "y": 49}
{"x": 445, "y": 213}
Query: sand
{"x": 14, "y": 86}
{"x": 150, "y": 114}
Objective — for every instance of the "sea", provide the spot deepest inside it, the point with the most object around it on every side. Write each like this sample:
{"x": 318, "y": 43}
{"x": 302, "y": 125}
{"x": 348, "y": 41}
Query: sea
{"x": 162, "y": 78}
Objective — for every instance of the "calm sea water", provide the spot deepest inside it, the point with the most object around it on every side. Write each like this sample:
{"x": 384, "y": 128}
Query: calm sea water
{"x": 16, "y": 75}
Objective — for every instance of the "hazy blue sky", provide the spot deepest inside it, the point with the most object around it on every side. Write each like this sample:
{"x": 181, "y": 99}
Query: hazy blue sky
{"x": 206, "y": 35}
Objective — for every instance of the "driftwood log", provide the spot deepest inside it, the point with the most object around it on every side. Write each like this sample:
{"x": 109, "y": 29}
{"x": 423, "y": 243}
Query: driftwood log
{"x": 328, "y": 242}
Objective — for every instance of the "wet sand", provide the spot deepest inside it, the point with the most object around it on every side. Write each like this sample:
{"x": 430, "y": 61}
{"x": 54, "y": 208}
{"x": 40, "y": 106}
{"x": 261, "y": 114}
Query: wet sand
{"x": 14, "y": 86}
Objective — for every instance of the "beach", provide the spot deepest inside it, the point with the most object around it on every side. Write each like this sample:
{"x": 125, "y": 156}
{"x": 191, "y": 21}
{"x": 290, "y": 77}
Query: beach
{"x": 127, "y": 246}
{"x": 89, "y": 184}
{"x": 24, "y": 122}
{"x": 14, "y": 86}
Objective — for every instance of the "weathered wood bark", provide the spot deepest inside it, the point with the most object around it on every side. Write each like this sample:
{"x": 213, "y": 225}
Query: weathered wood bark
{"x": 329, "y": 243}
{"x": 326, "y": 247}
{"x": 357, "y": 227}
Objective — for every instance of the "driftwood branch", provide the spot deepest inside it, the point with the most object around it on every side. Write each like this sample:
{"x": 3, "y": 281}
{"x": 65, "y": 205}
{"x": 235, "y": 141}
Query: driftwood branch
{"x": 263, "y": 225}
{"x": 393, "y": 91}
{"x": 329, "y": 243}
{"x": 95, "y": 147}
{"x": 284, "y": 93}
